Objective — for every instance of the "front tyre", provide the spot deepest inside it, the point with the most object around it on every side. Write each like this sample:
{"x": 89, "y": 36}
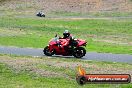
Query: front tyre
{"x": 79, "y": 52}
{"x": 81, "y": 80}
{"x": 47, "y": 52}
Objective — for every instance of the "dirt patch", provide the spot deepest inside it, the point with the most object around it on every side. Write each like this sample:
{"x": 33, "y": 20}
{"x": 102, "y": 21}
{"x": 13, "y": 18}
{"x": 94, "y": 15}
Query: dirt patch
{"x": 78, "y": 6}
{"x": 28, "y": 64}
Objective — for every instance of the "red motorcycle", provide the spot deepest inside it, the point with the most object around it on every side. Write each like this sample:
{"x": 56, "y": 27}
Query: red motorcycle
{"x": 66, "y": 47}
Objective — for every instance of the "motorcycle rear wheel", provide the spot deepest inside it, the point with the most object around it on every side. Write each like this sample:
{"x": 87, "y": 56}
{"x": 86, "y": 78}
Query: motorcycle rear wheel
{"x": 79, "y": 52}
{"x": 47, "y": 52}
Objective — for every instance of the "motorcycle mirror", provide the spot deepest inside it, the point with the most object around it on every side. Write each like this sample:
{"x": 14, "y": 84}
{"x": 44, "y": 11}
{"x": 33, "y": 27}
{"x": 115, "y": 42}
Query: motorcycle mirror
{"x": 56, "y": 35}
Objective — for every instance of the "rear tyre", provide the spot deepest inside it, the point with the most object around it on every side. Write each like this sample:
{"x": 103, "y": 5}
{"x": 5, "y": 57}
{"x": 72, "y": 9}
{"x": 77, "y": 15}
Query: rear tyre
{"x": 43, "y": 15}
{"x": 79, "y": 52}
{"x": 47, "y": 52}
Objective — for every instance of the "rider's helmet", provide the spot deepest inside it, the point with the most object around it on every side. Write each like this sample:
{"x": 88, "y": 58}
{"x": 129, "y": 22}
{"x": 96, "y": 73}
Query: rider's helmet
{"x": 66, "y": 34}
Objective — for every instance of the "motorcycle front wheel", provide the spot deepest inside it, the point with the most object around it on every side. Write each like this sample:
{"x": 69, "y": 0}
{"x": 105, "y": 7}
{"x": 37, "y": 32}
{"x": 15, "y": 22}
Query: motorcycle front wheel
{"x": 79, "y": 52}
{"x": 47, "y": 52}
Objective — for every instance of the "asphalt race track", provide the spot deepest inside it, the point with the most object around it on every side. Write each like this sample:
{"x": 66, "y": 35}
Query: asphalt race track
{"x": 125, "y": 58}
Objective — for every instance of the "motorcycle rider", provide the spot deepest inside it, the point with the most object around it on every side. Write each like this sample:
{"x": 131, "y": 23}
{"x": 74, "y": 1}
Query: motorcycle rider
{"x": 66, "y": 35}
{"x": 40, "y": 14}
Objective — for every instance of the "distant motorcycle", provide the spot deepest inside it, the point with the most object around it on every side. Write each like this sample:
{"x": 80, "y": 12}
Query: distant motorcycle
{"x": 40, "y": 14}
{"x": 66, "y": 47}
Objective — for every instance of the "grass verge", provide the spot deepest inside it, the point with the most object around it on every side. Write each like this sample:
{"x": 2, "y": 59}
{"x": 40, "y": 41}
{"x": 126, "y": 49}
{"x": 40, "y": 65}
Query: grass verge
{"x": 103, "y": 35}
{"x": 47, "y": 72}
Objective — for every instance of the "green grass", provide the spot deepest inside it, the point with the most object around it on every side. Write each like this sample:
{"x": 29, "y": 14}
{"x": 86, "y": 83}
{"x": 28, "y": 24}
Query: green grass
{"x": 25, "y": 80}
{"x": 29, "y": 32}
{"x": 11, "y": 78}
